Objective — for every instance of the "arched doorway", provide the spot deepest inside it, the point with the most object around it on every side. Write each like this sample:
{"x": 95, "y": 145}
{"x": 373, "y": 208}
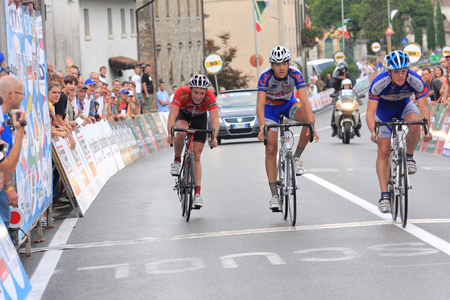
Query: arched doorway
{"x": 329, "y": 49}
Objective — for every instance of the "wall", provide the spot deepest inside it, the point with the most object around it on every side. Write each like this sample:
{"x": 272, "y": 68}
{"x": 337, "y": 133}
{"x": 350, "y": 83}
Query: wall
{"x": 236, "y": 17}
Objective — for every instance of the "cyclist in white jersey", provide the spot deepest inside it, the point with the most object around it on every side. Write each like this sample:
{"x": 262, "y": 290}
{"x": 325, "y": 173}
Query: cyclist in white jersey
{"x": 276, "y": 87}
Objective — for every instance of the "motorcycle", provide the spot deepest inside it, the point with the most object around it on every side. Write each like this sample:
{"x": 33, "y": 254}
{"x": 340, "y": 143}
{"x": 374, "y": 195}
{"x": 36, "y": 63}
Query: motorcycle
{"x": 346, "y": 113}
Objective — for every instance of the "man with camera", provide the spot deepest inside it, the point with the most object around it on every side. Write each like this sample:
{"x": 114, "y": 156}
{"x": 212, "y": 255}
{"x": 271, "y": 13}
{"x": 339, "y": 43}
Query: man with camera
{"x": 11, "y": 93}
{"x": 339, "y": 74}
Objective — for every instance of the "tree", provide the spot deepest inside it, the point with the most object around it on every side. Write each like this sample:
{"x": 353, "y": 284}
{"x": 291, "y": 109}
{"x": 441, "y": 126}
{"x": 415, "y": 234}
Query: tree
{"x": 418, "y": 35}
{"x": 431, "y": 33}
{"x": 229, "y": 78}
{"x": 440, "y": 29}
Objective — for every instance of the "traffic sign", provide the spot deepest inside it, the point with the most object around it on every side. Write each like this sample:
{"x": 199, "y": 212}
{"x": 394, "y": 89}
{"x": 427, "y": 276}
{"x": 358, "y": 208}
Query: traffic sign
{"x": 213, "y": 63}
{"x": 253, "y": 60}
{"x": 404, "y": 41}
{"x": 17, "y": 218}
{"x": 414, "y": 52}
{"x": 445, "y": 51}
{"x": 376, "y": 47}
{"x": 389, "y": 31}
{"x": 339, "y": 56}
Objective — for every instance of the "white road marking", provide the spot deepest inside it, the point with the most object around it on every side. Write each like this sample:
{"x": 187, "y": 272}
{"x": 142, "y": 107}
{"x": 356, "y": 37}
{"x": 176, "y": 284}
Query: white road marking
{"x": 48, "y": 263}
{"x": 228, "y": 260}
{"x": 121, "y": 271}
{"x": 348, "y": 254}
{"x": 421, "y": 234}
{"x": 154, "y": 267}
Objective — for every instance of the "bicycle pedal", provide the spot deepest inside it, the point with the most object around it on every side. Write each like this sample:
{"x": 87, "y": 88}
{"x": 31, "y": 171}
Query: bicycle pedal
{"x": 196, "y": 207}
{"x": 275, "y": 210}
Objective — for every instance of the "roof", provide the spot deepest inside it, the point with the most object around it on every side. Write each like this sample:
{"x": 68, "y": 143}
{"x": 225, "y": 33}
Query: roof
{"x": 124, "y": 63}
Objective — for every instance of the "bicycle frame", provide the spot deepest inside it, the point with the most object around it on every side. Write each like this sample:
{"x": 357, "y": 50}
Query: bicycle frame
{"x": 286, "y": 137}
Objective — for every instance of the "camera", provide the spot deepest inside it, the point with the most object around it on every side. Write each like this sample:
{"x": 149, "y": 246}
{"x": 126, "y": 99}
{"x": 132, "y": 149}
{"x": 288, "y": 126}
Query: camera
{"x": 4, "y": 148}
{"x": 341, "y": 73}
{"x": 9, "y": 122}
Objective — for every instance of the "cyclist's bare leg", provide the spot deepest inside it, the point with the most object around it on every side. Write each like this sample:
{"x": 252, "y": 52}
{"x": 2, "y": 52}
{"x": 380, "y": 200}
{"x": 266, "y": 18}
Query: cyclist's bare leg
{"x": 413, "y": 137}
{"x": 382, "y": 165}
{"x": 271, "y": 155}
{"x": 198, "y": 148}
{"x": 179, "y": 137}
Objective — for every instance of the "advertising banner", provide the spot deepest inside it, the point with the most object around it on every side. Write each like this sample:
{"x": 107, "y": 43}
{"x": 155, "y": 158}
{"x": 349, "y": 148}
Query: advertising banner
{"x": 26, "y": 57}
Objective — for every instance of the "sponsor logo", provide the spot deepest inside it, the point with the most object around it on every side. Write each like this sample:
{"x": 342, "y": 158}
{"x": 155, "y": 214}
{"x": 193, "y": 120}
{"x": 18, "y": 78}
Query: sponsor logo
{"x": 239, "y": 120}
{"x": 263, "y": 81}
{"x": 212, "y": 104}
{"x": 274, "y": 86}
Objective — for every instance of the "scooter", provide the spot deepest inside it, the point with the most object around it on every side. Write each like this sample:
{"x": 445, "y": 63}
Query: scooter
{"x": 346, "y": 113}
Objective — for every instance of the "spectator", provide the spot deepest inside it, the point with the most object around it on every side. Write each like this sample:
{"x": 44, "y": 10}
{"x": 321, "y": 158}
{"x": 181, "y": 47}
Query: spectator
{"x": 81, "y": 97}
{"x": 212, "y": 89}
{"x": 95, "y": 77}
{"x": 439, "y": 50}
{"x": 57, "y": 79}
{"x": 445, "y": 90}
{"x": 434, "y": 86}
{"x": 2, "y": 61}
{"x": 102, "y": 74}
{"x": 147, "y": 89}
{"x": 328, "y": 81}
{"x": 162, "y": 98}
{"x": 11, "y": 91}
{"x": 135, "y": 99}
{"x": 116, "y": 87}
{"x": 432, "y": 73}
{"x": 99, "y": 100}
{"x": 309, "y": 91}
{"x": 222, "y": 90}
{"x": 61, "y": 106}
{"x": 439, "y": 72}
{"x": 123, "y": 107}
{"x": 444, "y": 63}
{"x": 174, "y": 89}
{"x": 54, "y": 94}
{"x": 447, "y": 59}
{"x": 431, "y": 52}
{"x": 320, "y": 85}
{"x": 360, "y": 67}
{"x": 89, "y": 101}
{"x": 60, "y": 73}
{"x": 50, "y": 68}
{"x": 138, "y": 90}
{"x": 313, "y": 87}
{"x": 379, "y": 66}
{"x": 106, "y": 112}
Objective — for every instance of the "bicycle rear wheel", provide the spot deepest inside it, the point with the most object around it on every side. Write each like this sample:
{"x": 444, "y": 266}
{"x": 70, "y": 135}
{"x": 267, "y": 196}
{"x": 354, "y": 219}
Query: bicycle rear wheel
{"x": 392, "y": 197}
{"x": 403, "y": 187}
{"x": 291, "y": 189}
{"x": 282, "y": 188}
{"x": 189, "y": 188}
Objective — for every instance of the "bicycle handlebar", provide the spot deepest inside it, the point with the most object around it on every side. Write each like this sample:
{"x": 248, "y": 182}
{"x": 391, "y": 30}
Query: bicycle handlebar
{"x": 424, "y": 123}
{"x": 287, "y": 125}
{"x": 189, "y": 131}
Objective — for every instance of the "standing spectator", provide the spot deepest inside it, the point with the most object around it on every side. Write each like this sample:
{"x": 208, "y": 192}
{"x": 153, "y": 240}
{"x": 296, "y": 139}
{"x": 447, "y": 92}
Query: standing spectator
{"x": 439, "y": 72}
{"x": 137, "y": 81}
{"x": 444, "y": 63}
{"x": 11, "y": 90}
{"x": 313, "y": 87}
{"x": 212, "y": 89}
{"x": 445, "y": 91}
{"x": 320, "y": 85}
{"x": 102, "y": 76}
{"x": 431, "y": 52}
{"x": 434, "y": 85}
{"x": 360, "y": 67}
{"x": 328, "y": 81}
{"x": 90, "y": 98}
{"x": 147, "y": 89}
{"x": 123, "y": 107}
{"x": 379, "y": 66}
{"x": 116, "y": 87}
{"x": 432, "y": 73}
{"x": 50, "y": 68}
{"x": 174, "y": 89}
{"x": 439, "y": 50}
{"x": 162, "y": 98}
{"x": 447, "y": 59}
{"x": 95, "y": 76}
{"x": 70, "y": 84}
{"x": 222, "y": 90}
{"x": 99, "y": 100}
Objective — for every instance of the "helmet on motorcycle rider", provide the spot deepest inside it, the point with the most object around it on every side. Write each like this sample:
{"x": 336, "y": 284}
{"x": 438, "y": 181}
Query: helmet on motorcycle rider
{"x": 346, "y": 81}
{"x": 342, "y": 65}
{"x": 279, "y": 54}
{"x": 199, "y": 81}
{"x": 396, "y": 60}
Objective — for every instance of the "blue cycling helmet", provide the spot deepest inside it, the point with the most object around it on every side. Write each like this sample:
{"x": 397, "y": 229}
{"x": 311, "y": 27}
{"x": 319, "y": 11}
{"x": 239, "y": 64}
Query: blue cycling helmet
{"x": 397, "y": 60}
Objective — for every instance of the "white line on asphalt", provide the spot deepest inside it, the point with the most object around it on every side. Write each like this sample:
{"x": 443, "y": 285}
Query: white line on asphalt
{"x": 48, "y": 263}
{"x": 425, "y": 236}
{"x": 231, "y": 233}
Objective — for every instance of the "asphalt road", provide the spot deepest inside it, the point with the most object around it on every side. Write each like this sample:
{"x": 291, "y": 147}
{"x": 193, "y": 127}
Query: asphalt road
{"x": 133, "y": 242}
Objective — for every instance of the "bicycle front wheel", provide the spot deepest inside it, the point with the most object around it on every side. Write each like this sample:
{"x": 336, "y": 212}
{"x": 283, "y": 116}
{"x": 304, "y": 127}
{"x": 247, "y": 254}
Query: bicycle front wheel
{"x": 392, "y": 192}
{"x": 282, "y": 189}
{"x": 189, "y": 188}
{"x": 181, "y": 187}
{"x": 403, "y": 187}
{"x": 291, "y": 189}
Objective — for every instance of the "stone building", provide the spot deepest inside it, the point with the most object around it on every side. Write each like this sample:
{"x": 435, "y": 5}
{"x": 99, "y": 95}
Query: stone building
{"x": 177, "y": 47}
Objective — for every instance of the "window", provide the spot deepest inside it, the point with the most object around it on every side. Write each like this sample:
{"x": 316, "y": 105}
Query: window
{"x": 197, "y": 8}
{"x": 124, "y": 27}
{"x": 110, "y": 26}
{"x": 155, "y": 7}
{"x": 87, "y": 34}
{"x": 188, "y": 6}
{"x": 132, "y": 23}
{"x": 179, "y": 7}
{"x": 167, "y": 9}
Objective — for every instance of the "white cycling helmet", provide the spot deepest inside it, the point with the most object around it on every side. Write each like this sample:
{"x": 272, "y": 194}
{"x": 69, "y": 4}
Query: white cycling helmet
{"x": 279, "y": 54}
{"x": 199, "y": 81}
{"x": 346, "y": 81}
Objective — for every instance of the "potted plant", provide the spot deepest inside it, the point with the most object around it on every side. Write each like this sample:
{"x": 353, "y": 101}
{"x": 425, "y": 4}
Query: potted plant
{"x": 309, "y": 36}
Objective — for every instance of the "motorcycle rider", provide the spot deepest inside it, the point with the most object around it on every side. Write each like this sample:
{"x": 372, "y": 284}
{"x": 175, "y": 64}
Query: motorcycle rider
{"x": 341, "y": 73}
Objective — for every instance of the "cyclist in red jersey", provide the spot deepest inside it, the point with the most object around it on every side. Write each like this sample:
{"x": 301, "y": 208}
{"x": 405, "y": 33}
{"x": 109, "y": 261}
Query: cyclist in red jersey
{"x": 190, "y": 105}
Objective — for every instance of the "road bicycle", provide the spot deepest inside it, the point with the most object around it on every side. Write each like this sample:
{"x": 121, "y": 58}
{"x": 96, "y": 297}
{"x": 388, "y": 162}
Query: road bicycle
{"x": 398, "y": 184}
{"x": 286, "y": 178}
{"x": 185, "y": 181}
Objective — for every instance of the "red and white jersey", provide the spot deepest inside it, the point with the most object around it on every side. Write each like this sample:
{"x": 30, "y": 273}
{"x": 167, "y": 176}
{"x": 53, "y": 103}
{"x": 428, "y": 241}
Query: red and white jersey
{"x": 182, "y": 99}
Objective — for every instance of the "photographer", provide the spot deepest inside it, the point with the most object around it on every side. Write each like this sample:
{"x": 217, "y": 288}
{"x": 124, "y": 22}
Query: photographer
{"x": 339, "y": 74}
{"x": 11, "y": 92}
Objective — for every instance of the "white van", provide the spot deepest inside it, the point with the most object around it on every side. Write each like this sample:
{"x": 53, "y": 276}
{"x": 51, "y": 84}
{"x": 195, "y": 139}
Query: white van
{"x": 315, "y": 67}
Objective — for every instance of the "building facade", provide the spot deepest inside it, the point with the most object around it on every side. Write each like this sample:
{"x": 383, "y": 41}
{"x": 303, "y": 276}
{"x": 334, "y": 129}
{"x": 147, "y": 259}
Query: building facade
{"x": 91, "y": 32}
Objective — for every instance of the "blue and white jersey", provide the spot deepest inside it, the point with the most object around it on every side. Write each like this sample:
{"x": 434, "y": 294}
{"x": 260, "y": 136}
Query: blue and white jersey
{"x": 383, "y": 89}
{"x": 280, "y": 91}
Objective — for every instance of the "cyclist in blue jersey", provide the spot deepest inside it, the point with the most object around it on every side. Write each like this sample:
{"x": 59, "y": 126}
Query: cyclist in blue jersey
{"x": 389, "y": 96}
{"x": 276, "y": 87}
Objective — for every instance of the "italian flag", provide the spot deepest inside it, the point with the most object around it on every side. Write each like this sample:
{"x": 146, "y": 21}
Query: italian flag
{"x": 257, "y": 18}
{"x": 343, "y": 29}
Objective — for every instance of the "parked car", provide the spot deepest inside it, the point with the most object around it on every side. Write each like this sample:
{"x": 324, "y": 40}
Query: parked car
{"x": 237, "y": 114}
